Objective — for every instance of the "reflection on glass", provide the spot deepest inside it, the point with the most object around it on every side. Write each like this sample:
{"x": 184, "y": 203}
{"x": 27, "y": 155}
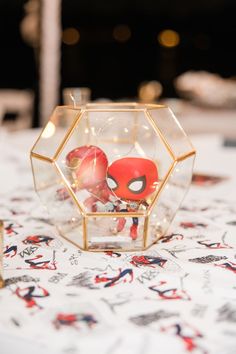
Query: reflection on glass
{"x": 76, "y": 96}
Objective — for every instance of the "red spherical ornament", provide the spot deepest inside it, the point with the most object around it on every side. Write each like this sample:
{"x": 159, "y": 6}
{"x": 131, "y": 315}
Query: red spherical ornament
{"x": 88, "y": 165}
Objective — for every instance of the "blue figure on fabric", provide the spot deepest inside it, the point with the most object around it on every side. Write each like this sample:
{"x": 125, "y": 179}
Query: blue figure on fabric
{"x": 10, "y": 251}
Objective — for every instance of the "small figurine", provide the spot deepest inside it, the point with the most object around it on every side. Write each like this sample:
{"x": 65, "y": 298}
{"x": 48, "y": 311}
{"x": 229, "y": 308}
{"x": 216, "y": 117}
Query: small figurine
{"x": 123, "y": 186}
{"x": 132, "y": 180}
{"x": 88, "y": 167}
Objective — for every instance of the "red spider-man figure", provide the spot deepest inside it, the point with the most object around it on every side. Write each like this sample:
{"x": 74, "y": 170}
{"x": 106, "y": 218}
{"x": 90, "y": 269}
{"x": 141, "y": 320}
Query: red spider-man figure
{"x": 148, "y": 261}
{"x": 71, "y": 319}
{"x": 188, "y": 334}
{"x": 132, "y": 180}
{"x": 37, "y": 240}
{"x": 29, "y": 295}
{"x": 114, "y": 279}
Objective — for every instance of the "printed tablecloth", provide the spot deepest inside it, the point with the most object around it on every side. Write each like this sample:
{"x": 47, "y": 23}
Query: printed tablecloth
{"x": 177, "y": 297}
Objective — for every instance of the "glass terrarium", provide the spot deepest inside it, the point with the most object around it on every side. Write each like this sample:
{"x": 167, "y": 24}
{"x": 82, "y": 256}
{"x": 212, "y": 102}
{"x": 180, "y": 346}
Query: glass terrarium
{"x": 112, "y": 176}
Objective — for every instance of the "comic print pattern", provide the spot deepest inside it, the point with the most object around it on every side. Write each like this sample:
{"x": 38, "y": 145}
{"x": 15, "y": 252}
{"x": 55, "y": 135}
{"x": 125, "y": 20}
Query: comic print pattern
{"x": 178, "y": 294}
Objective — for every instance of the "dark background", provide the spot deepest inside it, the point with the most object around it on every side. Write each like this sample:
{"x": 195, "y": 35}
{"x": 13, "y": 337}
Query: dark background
{"x": 112, "y": 69}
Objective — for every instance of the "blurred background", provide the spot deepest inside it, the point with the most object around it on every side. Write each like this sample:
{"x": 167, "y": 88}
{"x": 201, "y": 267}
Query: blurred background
{"x": 153, "y": 50}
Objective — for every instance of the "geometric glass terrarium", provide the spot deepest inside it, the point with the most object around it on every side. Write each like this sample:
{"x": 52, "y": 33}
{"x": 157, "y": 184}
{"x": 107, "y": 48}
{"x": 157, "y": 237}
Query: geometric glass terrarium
{"x": 112, "y": 176}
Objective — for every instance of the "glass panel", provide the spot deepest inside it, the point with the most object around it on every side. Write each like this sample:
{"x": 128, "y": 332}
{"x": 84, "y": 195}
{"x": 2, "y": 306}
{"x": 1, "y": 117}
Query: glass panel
{"x": 112, "y": 128}
{"x": 123, "y": 233}
{"x": 169, "y": 126}
{"x": 55, "y": 131}
{"x": 149, "y": 145}
{"x": 61, "y": 207}
{"x": 118, "y": 145}
{"x": 170, "y": 199}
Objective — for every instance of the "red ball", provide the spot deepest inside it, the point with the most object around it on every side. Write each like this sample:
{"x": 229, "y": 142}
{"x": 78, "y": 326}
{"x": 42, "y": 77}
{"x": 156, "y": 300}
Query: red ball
{"x": 88, "y": 164}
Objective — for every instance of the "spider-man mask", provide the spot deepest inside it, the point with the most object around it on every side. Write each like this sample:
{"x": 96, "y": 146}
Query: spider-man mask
{"x": 132, "y": 178}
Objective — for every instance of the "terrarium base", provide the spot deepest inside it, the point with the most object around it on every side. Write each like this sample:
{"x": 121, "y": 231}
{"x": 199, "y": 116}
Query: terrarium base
{"x": 110, "y": 249}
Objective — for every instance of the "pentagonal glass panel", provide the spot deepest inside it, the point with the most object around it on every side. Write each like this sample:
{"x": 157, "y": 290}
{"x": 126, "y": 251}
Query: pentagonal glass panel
{"x": 149, "y": 144}
{"x": 171, "y": 130}
{"x": 61, "y": 207}
{"x": 123, "y": 233}
{"x": 55, "y": 131}
{"x": 170, "y": 199}
{"x": 110, "y": 149}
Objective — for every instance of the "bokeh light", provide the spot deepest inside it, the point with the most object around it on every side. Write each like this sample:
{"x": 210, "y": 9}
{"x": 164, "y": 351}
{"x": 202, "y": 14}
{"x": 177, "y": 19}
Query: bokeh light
{"x": 121, "y": 33}
{"x": 70, "y": 36}
{"x": 168, "y": 38}
{"x": 149, "y": 91}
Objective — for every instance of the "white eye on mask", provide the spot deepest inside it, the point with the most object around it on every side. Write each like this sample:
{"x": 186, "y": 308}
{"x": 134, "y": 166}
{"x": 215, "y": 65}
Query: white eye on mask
{"x": 137, "y": 185}
{"x": 112, "y": 184}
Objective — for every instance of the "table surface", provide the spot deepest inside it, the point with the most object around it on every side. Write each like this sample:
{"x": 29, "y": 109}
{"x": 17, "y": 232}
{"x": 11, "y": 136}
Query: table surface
{"x": 187, "y": 302}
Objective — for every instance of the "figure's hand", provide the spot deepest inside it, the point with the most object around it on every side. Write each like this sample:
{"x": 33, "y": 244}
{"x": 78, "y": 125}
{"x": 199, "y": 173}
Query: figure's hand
{"x": 134, "y": 205}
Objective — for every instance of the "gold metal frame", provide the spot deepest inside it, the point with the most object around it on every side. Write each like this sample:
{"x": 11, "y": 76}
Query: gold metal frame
{"x": 112, "y": 107}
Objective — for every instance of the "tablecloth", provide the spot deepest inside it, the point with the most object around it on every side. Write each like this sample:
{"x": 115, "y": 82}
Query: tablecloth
{"x": 179, "y": 296}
